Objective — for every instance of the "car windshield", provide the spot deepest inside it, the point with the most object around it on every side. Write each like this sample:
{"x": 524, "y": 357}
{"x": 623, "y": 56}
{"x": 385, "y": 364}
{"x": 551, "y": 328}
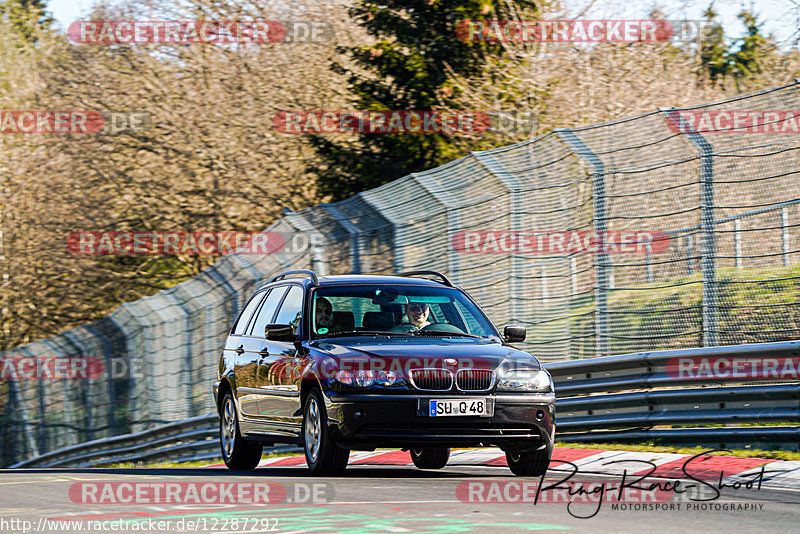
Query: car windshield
{"x": 396, "y": 310}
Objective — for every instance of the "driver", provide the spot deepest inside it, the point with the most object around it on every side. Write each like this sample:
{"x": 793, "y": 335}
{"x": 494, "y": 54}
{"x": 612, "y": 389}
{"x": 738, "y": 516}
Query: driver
{"x": 417, "y": 313}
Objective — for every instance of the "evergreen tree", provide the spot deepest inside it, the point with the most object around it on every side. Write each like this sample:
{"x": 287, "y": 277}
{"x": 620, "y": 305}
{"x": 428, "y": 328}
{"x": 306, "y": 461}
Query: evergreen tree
{"x": 713, "y": 51}
{"x": 410, "y": 66}
{"x": 25, "y": 15}
{"x": 754, "y": 51}
{"x": 720, "y": 62}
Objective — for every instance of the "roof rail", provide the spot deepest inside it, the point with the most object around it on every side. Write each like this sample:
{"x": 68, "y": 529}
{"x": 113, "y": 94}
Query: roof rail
{"x": 307, "y": 272}
{"x": 443, "y": 280}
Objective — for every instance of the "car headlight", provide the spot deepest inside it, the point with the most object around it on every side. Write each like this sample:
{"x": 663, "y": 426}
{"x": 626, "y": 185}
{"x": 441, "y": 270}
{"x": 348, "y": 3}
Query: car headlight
{"x": 526, "y": 380}
{"x": 344, "y": 377}
{"x": 367, "y": 378}
{"x": 387, "y": 378}
{"x": 364, "y": 379}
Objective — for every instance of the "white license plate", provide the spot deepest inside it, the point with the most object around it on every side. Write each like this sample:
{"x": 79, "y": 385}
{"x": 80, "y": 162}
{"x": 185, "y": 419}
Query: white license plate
{"x": 465, "y": 406}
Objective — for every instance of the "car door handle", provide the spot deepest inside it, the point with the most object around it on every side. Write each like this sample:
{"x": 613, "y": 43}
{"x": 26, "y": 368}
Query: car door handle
{"x": 264, "y": 352}
{"x": 240, "y": 349}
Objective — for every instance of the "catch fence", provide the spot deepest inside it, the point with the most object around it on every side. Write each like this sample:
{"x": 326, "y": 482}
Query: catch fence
{"x": 698, "y": 246}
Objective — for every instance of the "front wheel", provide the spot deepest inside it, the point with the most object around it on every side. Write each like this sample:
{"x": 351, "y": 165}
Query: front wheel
{"x": 238, "y": 453}
{"x": 323, "y": 456}
{"x": 530, "y": 463}
{"x": 430, "y": 457}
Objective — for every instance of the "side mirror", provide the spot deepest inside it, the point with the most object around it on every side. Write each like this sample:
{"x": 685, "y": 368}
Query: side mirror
{"x": 514, "y": 333}
{"x": 279, "y": 332}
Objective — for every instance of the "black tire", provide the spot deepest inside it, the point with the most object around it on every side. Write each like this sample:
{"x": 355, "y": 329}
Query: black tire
{"x": 323, "y": 456}
{"x": 530, "y": 463}
{"x": 430, "y": 457}
{"x": 238, "y": 453}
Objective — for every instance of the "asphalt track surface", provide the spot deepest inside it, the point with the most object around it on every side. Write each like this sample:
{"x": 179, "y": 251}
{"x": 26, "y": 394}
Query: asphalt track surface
{"x": 370, "y": 499}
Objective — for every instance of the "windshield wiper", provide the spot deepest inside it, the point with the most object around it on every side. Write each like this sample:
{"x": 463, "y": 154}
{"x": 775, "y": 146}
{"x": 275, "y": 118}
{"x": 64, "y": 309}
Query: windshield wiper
{"x": 442, "y": 333}
{"x": 347, "y": 333}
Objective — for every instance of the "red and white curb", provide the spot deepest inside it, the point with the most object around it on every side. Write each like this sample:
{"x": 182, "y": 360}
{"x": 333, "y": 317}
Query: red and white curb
{"x": 778, "y": 473}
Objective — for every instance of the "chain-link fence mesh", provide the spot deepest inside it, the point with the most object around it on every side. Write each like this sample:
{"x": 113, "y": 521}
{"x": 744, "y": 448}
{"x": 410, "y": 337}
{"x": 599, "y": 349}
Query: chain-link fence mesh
{"x": 529, "y": 230}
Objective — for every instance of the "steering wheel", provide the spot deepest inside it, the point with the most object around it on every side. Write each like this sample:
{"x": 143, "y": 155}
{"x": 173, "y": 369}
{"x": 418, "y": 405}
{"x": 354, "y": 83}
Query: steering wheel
{"x": 404, "y": 327}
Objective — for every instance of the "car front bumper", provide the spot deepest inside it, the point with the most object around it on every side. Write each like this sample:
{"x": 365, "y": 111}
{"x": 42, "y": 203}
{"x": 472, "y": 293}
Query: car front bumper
{"x": 367, "y": 421}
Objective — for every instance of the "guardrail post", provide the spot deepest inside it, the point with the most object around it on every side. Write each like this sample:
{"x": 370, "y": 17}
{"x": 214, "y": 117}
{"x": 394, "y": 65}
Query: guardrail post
{"x": 602, "y": 266}
{"x": 708, "y": 243}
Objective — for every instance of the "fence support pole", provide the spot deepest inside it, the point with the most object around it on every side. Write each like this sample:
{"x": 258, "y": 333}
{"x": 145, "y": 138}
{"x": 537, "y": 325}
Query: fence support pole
{"x": 355, "y": 236}
{"x": 785, "y": 224}
{"x": 315, "y": 238}
{"x": 601, "y": 227}
{"x": 516, "y": 206}
{"x": 708, "y": 241}
{"x": 543, "y": 280}
{"x": 737, "y": 242}
{"x": 451, "y": 205}
{"x": 573, "y": 276}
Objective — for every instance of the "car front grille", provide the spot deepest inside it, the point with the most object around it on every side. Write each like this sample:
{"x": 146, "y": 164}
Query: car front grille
{"x": 474, "y": 379}
{"x": 432, "y": 379}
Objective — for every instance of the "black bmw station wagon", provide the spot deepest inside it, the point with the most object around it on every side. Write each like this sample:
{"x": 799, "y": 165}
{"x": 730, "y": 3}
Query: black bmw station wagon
{"x": 359, "y": 362}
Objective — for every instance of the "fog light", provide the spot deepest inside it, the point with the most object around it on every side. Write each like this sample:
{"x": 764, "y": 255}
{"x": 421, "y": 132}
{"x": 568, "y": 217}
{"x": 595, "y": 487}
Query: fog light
{"x": 358, "y": 415}
{"x": 539, "y": 415}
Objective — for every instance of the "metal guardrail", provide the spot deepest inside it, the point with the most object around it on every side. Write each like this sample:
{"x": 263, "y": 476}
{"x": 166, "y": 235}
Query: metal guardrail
{"x": 160, "y": 442}
{"x": 629, "y": 397}
{"x": 609, "y": 399}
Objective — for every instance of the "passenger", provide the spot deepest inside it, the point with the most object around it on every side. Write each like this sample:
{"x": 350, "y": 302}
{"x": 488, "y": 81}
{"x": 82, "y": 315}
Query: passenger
{"x": 323, "y": 317}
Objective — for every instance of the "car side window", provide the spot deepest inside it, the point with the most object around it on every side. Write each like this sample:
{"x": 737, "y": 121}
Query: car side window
{"x": 292, "y": 308}
{"x": 244, "y": 317}
{"x": 267, "y": 311}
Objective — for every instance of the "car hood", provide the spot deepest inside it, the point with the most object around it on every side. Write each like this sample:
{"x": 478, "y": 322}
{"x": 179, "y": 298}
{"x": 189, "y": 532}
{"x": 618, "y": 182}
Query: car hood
{"x": 412, "y": 352}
